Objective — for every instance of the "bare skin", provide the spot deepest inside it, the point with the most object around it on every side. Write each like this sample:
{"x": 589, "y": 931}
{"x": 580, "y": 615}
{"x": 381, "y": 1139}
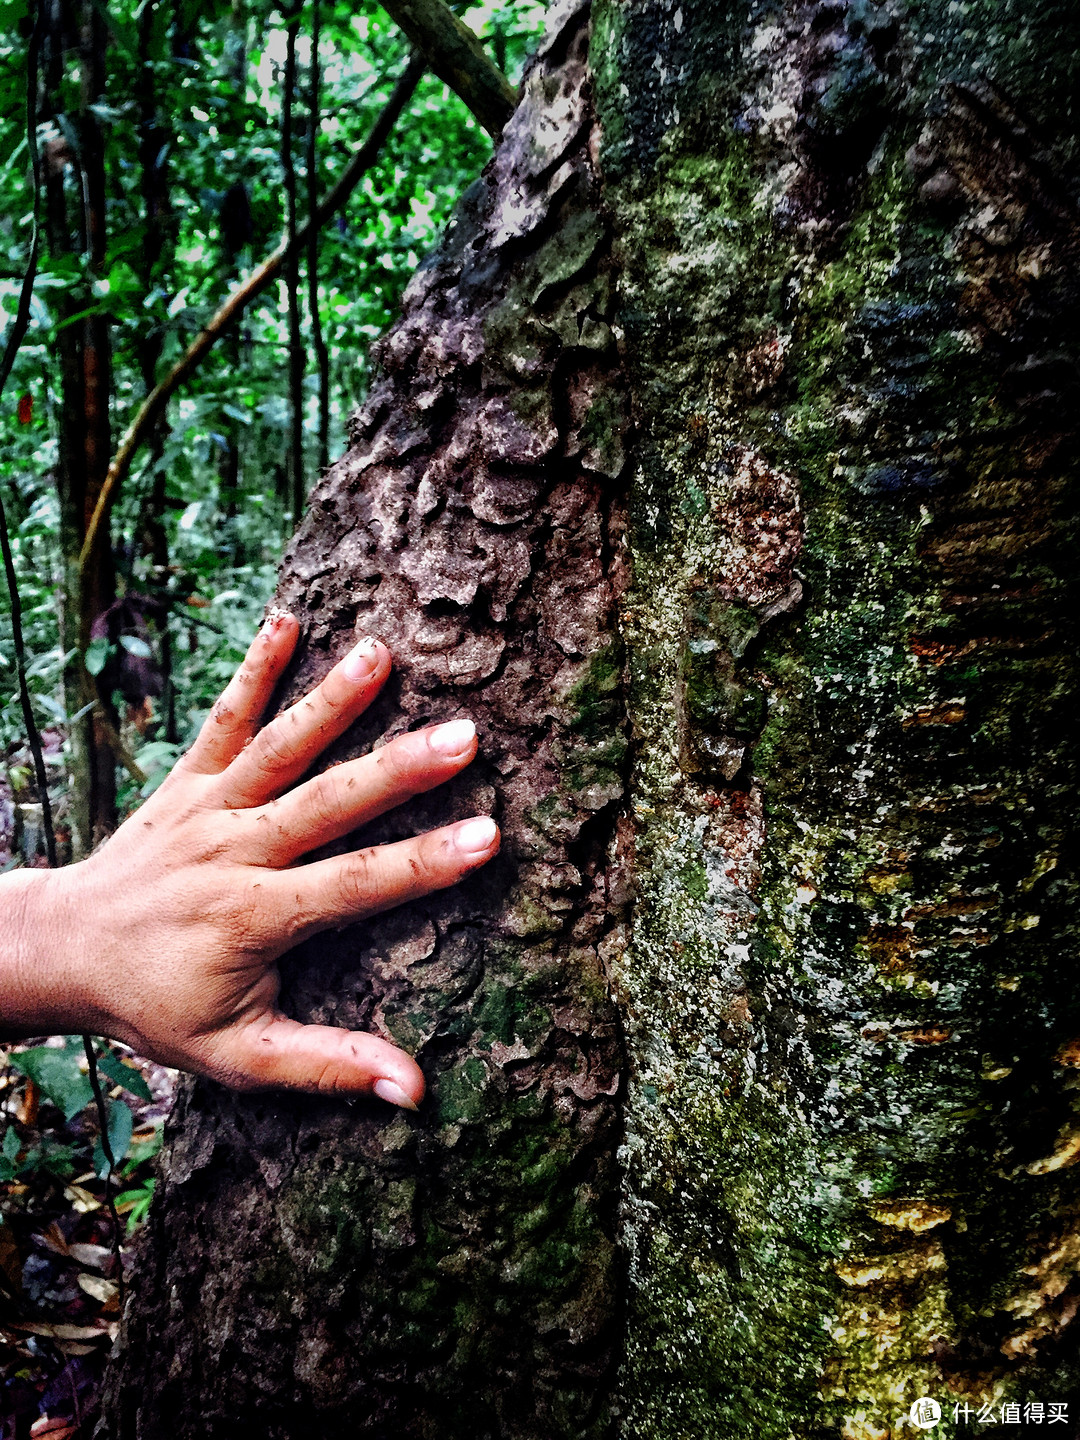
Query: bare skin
{"x": 167, "y": 938}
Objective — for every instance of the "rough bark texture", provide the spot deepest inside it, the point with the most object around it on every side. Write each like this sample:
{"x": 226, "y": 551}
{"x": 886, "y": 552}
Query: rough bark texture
{"x": 847, "y": 313}
{"x": 313, "y": 1265}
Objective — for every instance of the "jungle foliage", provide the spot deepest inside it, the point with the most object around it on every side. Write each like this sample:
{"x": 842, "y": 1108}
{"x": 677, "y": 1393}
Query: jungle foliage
{"x": 174, "y": 141}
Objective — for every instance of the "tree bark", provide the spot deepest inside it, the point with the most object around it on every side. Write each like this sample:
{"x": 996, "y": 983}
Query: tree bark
{"x": 751, "y": 1060}
{"x": 311, "y": 176}
{"x": 155, "y": 137}
{"x": 75, "y": 210}
{"x": 297, "y": 485}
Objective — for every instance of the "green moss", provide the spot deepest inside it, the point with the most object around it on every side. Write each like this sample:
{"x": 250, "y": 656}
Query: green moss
{"x": 594, "y": 697}
{"x": 695, "y": 881}
{"x": 327, "y": 1219}
{"x": 459, "y": 1093}
{"x": 498, "y": 1013}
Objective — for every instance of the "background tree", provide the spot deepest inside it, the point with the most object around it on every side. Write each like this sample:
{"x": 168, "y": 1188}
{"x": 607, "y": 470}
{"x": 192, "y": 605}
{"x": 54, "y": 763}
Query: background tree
{"x": 721, "y": 466}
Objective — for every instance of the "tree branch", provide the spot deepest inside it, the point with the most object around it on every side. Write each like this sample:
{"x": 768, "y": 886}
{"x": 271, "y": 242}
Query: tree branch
{"x": 241, "y": 297}
{"x": 458, "y": 57}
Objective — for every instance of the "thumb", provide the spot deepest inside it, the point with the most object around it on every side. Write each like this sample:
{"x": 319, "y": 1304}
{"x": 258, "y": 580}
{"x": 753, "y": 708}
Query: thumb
{"x": 278, "y": 1052}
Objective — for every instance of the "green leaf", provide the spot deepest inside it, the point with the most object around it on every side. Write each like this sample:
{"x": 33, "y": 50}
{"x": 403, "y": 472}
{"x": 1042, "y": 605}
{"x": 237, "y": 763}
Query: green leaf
{"x": 121, "y": 1124}
{"x": 97, "y": 652}
{"x": 57, "y": 1073}
{"x": 58, "y": 1160}
{"x": 12, "y": 1145}
{"x": 137, "y": 1203}
{"x": 135, "y": 645}
{"x": 11, "y": 13}
{"x": 111, "y": 1065}
{"x": 143, "y": 1151}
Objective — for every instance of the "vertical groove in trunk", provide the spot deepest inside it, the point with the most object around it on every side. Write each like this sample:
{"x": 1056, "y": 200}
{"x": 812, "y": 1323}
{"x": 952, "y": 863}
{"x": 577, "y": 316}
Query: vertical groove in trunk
{"x": 312, "y": 1265}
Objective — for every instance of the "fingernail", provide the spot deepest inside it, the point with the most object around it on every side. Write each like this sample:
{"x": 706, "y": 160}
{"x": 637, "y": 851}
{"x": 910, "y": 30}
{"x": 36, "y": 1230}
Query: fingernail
{"x": 452, "y": 738}
{"x": 361, "y": 660}
{"x": 476, "y": 836}
{"x": 393, "y": 1094}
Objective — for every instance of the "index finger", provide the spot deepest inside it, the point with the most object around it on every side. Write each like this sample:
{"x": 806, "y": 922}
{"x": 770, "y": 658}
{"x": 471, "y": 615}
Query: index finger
{"x": 284, "y": 749}
{"x": 236, "y": 713}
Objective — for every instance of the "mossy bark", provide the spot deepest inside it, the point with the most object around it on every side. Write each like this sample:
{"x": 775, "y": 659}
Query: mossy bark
{"x": 821, "y": 585}
{"x": 849, "y": 301}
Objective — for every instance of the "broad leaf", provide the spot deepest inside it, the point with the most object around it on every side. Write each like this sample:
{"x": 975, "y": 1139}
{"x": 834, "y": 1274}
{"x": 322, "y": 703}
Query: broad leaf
{"x": 111, "y": 1065}
{"x": 121, "y": 1124}
{"x": 97, "y": 652}
{"x": 57, "y": 1073}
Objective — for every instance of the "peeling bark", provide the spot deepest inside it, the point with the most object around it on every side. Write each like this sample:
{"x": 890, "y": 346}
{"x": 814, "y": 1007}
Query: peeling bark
{"x": 800, "y": 952}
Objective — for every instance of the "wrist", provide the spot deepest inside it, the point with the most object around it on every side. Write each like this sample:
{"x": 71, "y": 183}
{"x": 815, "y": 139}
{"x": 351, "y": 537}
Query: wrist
{"x": 44, "y": 967}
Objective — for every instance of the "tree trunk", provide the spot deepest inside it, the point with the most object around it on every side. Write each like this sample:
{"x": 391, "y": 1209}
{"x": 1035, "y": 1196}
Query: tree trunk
{"x": 297, "y": 486}
{"x": 75, "y": 210}
{"x": 311, "y": 176}
{"x": 750, "y": 1060}
{"x": 155, "y": 139}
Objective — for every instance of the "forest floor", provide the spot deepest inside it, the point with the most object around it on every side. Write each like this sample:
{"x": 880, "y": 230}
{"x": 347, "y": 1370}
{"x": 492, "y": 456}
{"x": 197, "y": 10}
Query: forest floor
{"x": 59, "y": 1277}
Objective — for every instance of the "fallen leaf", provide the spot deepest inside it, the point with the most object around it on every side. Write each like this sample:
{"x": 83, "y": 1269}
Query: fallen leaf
{"x": 58, "y": 1429}
{"x": 26, "y": 1114}
{"x": 62, "y": 1332}
{"x": 97, "y": 1257}
{"x": 81, "y": 1199}
{"x": 10, "y": 1261}
{"x": 52, "y": 1237}
{"x": 98, "y": 1287}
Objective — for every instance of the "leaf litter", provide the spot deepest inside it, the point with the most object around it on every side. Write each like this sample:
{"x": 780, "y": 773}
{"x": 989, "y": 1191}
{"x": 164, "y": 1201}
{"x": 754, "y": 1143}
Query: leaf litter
{"x": 59, "y": 1291}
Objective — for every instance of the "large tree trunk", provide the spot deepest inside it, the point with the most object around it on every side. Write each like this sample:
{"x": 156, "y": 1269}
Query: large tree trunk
{"x": 798, "y": 956}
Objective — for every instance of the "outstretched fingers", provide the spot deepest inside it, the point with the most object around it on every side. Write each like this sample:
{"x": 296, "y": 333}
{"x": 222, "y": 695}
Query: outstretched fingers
{"x": 276, "y": 1051}
{"x": 349, "y": 795}
{"x": 232, "y": 721}
{"x": 286, "y": 747}
{"x": 349, "y": 887}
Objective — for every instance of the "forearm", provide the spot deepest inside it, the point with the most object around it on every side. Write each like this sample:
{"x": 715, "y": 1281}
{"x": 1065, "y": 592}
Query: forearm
{"x": 40, "y": 993}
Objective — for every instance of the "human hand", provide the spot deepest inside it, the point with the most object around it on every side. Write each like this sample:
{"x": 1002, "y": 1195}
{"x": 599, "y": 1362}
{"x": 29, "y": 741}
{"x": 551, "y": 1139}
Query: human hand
{"x": 184, "y": 912}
